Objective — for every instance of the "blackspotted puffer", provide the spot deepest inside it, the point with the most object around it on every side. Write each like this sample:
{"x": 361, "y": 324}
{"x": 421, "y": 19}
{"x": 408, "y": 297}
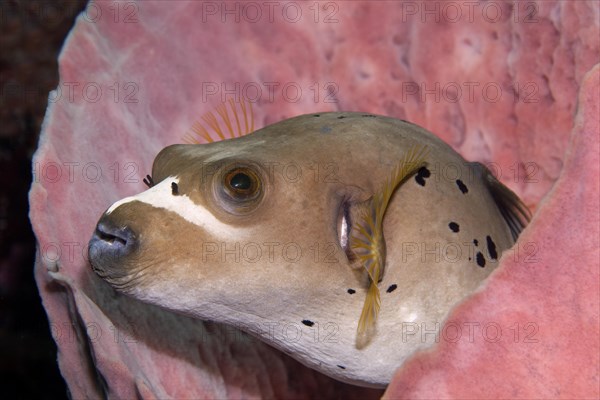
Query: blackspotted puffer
{"x": 343, "y": 239}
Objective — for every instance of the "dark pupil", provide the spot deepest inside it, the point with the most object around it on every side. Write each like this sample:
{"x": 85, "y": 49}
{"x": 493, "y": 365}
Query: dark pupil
{"x": 240, "y": 181}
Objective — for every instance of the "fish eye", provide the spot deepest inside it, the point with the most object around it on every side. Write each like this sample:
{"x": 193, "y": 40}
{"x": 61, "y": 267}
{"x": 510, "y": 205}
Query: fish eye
{"x": 240, "y": 181}
{"x": 242, "y": 184}
{"x": 237, "y": 187}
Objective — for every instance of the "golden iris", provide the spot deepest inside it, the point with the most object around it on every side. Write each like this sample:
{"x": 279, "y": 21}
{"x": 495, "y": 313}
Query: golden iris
{"x": 242, "y": 184}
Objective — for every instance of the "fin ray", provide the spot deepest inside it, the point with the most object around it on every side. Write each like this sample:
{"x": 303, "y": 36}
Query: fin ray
{"x": 513, "y": 210}
{"x": 239, "y": 123}
{"x": 368, "y": 242}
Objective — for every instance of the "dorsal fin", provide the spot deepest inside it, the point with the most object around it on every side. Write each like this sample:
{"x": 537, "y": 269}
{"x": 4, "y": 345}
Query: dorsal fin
{"x": 513, "y": 210}
{"x": 368, "y": 242}
{"x": 239, "y": 123}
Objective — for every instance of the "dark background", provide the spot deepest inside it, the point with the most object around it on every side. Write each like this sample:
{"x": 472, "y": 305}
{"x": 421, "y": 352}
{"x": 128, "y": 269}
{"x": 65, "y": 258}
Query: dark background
{"x": 31, "y": 35}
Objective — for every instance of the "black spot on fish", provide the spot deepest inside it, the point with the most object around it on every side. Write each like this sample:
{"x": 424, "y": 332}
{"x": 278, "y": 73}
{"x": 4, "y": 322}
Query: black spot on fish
{"x": 341, "y": 117}
{"x": 368, "y": 115}
{"x": 463, "y": 188}
{"x": 351, "y": 291}
{"x": 480, "y": 260}
{"x": 422, "y": 173}
{"x": 454, "y": 226}
{"x": 317, "y": 115}
{"x": 307, "y": 322}
{"x": 341, "y": 366}
{"x": 392, "y": 288}
{"x": 470, "y": 258}
{"x": 148, "y": 181}
{"x": 476, "y": 242}
{"x": 491, "y": 248}
{"x": 174, "y": 189}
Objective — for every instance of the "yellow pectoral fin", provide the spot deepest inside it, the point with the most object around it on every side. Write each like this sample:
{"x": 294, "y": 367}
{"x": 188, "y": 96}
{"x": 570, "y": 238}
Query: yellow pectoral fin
{"x": 368, "y": 242}
{"x": 369, "y": 311}
{"x": 410, "y": 163}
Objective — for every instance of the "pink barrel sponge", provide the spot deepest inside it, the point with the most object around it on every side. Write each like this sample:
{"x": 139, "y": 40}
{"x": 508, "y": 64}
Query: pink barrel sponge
{"x": 509, "y": 84}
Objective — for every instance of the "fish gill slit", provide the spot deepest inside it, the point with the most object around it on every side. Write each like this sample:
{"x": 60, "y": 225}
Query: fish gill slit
{"x": 345, "y": 229}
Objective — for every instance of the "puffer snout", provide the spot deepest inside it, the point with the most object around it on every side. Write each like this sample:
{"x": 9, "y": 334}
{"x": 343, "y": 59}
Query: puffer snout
{"x": 110, "y": 245}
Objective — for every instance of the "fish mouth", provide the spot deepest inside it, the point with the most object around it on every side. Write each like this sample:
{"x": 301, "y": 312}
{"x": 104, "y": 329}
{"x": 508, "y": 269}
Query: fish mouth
{"x": 344, "y": 227}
